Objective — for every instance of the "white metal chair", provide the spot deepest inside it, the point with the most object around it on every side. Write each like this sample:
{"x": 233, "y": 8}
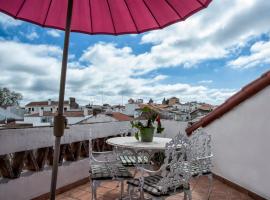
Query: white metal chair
{"x": 105, "y": 166}
{"x": 173, "y": 176}
{"x": 201, "y": 155}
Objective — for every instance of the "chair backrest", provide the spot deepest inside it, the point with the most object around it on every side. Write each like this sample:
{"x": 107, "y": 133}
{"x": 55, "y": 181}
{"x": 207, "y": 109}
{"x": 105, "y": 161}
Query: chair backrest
{"x": 175, "y": 170}
{"x": 200, "y": 151}
{"x": 95, "y": 156}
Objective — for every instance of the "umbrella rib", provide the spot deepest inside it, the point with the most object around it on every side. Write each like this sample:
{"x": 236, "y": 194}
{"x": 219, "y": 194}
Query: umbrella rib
{"x": 17, "y": 13}
{"x": 173, "y": 8}
{"x": 132, "y": 17}
{"x": 202, "y": 4}
{"x": 111, "y": 16}
{"x": 151, "y": 13}
{"x": 91, "y": 21}
{"x": 47, "y": 12}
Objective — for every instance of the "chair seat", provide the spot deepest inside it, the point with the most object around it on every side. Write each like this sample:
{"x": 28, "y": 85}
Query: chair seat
{"x": 130, "y": 161}
{"x": 196, "y": 170}
{"x": 102, "y": 172}
{"x": 151, "y": 186}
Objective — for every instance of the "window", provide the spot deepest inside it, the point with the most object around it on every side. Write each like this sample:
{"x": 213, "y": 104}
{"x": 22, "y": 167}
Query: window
{"x": 65, "y": 108}
{"x": 51, "y": 109}
{"x": 29, "y": 109}
{"x": 33, "y": 109}
{"x": 46, "y": 120}
{"x": 42, "y": 108}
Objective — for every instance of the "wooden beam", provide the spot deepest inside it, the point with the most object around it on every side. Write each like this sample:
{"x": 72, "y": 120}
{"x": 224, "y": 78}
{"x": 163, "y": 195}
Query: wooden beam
{"x": 42, "y": 154}
{"x": 18, "y": 163}
{"x": 31, "y": 162}
{"x": 5, "y": 167}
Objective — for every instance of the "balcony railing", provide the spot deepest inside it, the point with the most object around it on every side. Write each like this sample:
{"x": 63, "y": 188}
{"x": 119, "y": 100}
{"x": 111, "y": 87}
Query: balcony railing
{"x": 26, "y": 155}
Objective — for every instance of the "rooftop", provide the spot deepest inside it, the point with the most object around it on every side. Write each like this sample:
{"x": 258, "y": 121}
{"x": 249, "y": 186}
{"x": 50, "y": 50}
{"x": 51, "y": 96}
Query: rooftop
{"x": 120, "y": 116}
{"x": 44, "y": 103}
{"x": 66, "y": 113}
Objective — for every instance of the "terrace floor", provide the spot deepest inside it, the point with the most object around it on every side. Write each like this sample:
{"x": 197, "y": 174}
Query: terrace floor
{"x": 110, "y": 191}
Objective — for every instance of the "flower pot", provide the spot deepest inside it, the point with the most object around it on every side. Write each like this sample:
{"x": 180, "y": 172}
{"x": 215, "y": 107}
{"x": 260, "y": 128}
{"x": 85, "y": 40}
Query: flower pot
{"x": 147, "y": 134}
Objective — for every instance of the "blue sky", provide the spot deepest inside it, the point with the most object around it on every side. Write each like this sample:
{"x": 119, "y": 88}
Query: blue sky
{"x": 208, "y": 57}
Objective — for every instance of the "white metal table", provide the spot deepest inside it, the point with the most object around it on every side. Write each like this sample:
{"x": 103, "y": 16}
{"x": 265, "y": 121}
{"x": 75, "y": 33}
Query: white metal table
{"x": 141, "y": 152}
{"x": 158, "y": 143}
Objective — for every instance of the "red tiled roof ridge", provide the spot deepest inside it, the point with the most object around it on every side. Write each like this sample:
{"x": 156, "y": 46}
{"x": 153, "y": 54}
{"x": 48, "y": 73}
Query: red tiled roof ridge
{"x": 44, "y": 103}
{"x": 245, "y": 93}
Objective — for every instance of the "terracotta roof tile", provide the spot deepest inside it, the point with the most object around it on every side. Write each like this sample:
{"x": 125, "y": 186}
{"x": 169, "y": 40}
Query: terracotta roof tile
{"x": 44, "y": 103}
{"x": 121, "y": 117}
{"x": 245, "y": 93}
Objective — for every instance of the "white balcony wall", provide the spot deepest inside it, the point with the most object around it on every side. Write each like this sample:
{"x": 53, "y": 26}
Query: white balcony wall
{"x": 33, "y": 184}
{"x": 241, "y": 144}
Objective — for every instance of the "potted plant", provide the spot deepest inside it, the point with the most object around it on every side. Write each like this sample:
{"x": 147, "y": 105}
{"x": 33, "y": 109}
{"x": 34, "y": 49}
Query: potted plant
{"x": 146, "y": 131}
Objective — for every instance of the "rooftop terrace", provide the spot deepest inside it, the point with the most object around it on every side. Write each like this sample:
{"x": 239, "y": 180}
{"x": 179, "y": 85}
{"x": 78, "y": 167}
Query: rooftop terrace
{"x": 110, "y": 190}
{"x": 26, "y": 160}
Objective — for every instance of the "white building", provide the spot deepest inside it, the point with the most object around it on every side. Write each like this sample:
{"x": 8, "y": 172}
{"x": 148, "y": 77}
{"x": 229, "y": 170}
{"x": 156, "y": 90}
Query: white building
{"x": 46, "y": 118}
{"x": 11, "y": 113}
{"x": 106, "y": 117}
{"x": 131, "y": 108}
{"x": 50, "y": 106}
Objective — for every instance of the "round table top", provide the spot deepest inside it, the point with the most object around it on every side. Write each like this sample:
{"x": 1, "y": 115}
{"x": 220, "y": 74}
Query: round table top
{"x": 131, "y": 142}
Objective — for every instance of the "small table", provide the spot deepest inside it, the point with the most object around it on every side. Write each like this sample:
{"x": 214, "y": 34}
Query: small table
{"x": 158, "y": 143}
{"x": 143, "y": 151}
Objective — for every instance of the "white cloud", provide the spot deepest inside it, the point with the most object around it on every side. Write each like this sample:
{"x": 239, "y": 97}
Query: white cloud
{"x": 213, "y": 33}
{"x": 33, "y": 35}
{"x": 205, "y": 81}
{"x": 7, "y": 21}
{"x": 54, "y": 33}
{"x": 259, "y": 54}
{"x": 160, "y": 77}
{"x": 34, "y": 70}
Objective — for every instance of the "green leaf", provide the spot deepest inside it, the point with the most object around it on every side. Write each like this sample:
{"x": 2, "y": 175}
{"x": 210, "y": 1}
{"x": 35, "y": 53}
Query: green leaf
{"x": 136, "y": 136}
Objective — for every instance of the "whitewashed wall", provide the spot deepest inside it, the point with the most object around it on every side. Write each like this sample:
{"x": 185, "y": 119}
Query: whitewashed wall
{"x": 241, "y": 144}
{"x": 100, "y": 118}
{"x": 74, "y": 120}
{"x": 31, "y": 185}
{"x": 36, "y": 121}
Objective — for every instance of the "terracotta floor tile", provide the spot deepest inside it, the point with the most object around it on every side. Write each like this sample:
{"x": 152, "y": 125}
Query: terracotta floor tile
{"x": 111, "y": 191}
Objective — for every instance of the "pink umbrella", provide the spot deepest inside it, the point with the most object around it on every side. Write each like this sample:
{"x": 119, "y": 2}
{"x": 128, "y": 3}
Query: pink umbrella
{"x": 113, "y": 17}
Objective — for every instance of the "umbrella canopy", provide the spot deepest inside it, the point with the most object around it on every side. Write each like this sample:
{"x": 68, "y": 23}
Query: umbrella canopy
{"x": 104, "y": 16}
{"x": 113, "y": 17}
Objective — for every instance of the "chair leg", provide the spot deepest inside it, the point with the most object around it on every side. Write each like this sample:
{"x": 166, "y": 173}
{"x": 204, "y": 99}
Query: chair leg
{"x": 141, "y": 194}
{"x": 187, "y": 194}
{"x": 210, "y": 184}
{"x": 94, "y": 190}
{"x": 131, "y": 191}
{"x": 122, "y": 189}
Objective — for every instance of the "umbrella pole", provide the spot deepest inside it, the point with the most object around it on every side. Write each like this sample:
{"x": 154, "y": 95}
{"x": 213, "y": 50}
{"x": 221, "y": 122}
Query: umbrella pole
{"x": 59, "y": 120}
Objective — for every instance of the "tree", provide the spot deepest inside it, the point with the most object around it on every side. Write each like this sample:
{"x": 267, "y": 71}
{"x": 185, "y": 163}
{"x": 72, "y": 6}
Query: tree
{"x": 150, "y": 101}
{"x": 164, "y": 101}
{"x": 9, "y": 98}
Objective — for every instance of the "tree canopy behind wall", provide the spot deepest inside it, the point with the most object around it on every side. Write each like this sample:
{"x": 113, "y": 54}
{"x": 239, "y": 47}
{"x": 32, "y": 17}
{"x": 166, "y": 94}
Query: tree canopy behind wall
{"x": 9, "y": 98}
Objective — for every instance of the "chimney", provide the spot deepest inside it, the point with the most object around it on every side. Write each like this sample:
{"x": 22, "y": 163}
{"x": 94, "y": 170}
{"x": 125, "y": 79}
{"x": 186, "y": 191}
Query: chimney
{"x": 72, "y": 103}
{"x": 85, "y": 112}
{"x": 40, "y": 112}
{"x": 49, "y": 102}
